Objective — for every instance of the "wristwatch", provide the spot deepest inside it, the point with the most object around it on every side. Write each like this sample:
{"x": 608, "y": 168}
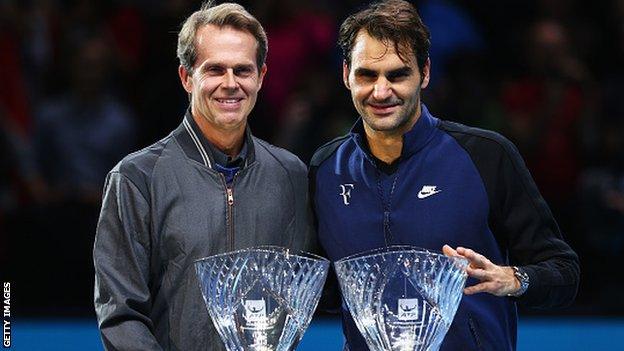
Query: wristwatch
{"x": 523, "y": 278}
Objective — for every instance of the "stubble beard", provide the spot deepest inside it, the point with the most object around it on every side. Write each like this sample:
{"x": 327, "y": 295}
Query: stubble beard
{"x": 398, "y": 124}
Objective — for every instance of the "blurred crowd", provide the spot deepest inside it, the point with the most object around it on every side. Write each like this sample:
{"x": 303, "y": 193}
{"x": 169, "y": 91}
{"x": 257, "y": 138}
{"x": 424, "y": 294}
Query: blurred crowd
{"x": 83, "y": 83}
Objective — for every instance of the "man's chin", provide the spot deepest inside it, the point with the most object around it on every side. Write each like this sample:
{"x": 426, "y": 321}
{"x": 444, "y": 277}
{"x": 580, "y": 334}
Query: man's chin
{"x": 232, "y": 123}
{"x": 382, "y": 123}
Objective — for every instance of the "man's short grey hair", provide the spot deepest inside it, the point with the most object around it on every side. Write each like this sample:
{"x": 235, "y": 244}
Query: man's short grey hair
{"x": 224, "y": 15}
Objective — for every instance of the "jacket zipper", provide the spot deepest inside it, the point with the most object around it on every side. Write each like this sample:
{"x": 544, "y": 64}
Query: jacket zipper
{"x": 230, "y": 211}
{"x": 230, "y": 196}
{"x": 475, "y": 334}
{"x": 386, "y": 204}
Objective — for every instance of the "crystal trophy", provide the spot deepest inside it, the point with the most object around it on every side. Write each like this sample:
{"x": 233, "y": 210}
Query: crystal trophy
{"x": 402, "y": 297}
{"x": 263, "y": 298}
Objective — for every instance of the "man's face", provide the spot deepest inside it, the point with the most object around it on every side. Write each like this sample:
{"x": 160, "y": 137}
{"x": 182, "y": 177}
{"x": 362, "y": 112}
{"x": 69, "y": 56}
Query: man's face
{"x": 225, "y": 80}
{"x": 385, "y": 90}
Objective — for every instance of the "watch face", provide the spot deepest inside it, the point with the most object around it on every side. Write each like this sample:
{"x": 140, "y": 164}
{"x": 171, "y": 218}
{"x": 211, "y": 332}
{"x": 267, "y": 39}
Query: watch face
{"x": 523, "y": 278}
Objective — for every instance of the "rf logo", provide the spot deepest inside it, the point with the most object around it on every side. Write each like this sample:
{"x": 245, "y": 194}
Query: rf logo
{"x": 346, "y": 192}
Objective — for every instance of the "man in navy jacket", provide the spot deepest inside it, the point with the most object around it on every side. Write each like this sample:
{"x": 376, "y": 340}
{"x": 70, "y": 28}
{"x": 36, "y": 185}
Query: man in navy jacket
{"x": 402, "y": 176}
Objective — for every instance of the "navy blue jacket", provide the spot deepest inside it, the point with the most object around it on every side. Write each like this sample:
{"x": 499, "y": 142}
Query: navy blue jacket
{"x": 451, "y": 185}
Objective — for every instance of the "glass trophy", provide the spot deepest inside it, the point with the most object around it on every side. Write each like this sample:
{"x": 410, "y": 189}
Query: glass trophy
{"x": 402, "y": 297}
{"x": 262, "y": 298}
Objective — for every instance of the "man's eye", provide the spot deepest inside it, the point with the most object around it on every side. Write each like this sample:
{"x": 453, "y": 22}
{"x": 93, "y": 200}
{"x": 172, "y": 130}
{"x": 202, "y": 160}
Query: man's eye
{"x": 215, "y": 70}
{"x": 397, "y": 77}
{"x": 367, "y": 76}
{"x": 243, "y": 71}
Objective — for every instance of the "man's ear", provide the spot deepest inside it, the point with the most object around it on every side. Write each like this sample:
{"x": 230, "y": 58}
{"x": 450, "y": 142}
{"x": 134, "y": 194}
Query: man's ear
{"x": 185, "y": 79}
{"x": 345, "y": 74}
{"x": 263, "y": 71}
{"x": 426, "y": 74}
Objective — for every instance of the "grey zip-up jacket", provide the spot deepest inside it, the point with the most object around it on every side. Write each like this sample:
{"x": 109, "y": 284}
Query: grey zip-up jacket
{"x": 165, "y": 207}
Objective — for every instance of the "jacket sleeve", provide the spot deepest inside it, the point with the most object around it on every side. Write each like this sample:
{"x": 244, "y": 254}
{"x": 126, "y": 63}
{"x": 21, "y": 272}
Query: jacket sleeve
{"x": 331, "y": 299}
{"x": 304, "y": 236}
{"x": 520, "y": 220}
{"x": 532, "y": 236}
{"x": 121, "y": 257}
{"x": 309, "y": 240}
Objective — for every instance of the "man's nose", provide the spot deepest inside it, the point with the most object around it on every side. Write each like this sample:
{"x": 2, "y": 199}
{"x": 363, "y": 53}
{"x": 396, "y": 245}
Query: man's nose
{"x": 229, "y": 80}
{"x": 381, "y": 90}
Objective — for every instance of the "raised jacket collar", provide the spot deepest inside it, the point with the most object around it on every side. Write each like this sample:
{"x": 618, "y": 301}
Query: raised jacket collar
{"x": 198, "y": 148}
{"x": 414, "y": 140}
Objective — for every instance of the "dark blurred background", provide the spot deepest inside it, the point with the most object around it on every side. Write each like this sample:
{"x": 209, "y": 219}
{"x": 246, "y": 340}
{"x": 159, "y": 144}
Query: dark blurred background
{"x": 83, "y": 83}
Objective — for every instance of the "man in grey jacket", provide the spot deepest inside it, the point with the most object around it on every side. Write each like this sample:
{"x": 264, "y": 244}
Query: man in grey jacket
{"x": 207, "y": 188}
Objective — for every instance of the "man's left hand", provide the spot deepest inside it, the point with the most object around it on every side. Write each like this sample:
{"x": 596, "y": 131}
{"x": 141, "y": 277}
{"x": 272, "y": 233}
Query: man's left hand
{"x": 496, "y": 280}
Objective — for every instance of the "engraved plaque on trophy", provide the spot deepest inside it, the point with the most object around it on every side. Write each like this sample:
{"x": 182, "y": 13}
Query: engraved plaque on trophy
{"x": 262, "y": 298}
{"x": 402, "y": 297}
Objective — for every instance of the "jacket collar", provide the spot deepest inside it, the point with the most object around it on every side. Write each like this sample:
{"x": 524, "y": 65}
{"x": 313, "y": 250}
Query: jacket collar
{"x": 198, "y": 148}
{"x": 414, "y": 140}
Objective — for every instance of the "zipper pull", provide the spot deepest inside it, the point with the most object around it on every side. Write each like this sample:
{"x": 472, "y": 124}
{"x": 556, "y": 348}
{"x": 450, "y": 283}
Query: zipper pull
{"x": 230, "y": 197}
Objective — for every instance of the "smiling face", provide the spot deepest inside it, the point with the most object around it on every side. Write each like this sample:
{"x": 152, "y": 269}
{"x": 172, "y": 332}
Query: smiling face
{"x": 225, "y": 79}
{"x": 385, "y": 90}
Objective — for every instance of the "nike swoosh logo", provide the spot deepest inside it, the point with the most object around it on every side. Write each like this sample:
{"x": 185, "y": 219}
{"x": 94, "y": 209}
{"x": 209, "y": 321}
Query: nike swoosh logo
{"x": 426, "y": 194}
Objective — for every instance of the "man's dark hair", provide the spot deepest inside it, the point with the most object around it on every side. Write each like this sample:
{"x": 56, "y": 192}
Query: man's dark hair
{"x": 390, "y": 21}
